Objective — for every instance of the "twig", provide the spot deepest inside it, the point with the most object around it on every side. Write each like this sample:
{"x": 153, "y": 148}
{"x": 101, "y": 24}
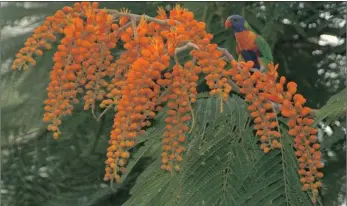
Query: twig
{"x": 221, "y": 104}
{"x": 226, "y": 53}
{"x": 137, "y": 17}
{"x": 133, "y": 24}
{"x": 189, "y": 102}
{"x": 176, "y": 59}
{"x": 122, "y": 28}
{"x": 253, "y": 70}
{"x": 163, "y": 94}
{"x": 183, "y": 48}
{"x": 234, "y": 86}
{"x": 186, "y": 46}
{"x": 103, "y": 112}
{"x": 224, "y": 58}
{"x": 314, "y": 112}
{"x": 230, "y": 57}
{"x": 93, "y": 112}
{"x": 276, "y": 107}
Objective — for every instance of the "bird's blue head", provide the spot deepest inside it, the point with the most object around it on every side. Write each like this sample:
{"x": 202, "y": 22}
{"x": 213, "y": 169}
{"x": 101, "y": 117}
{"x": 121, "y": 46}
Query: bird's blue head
{"x": 236, "y": 22}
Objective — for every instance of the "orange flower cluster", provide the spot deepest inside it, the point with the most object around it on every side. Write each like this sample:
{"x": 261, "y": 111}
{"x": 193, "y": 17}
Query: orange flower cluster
{"x": 256, "y": 88}
{"x": 184, "y": 28}
{"x": 305, "y": 141}
{"x": 40, "y": 40}
{"x": 181, "y": 82}
{"x": 209, "y": 59}
{"x": 183, "y": 93}
{"x": 181, "y": 24}
{"x": 262, "y": 91}
{"x": 137, "y": 104}
{"x": 122, "y": 65}
{"x": 46, "y": 33}
{"x": 141, "y": 81}
{"x": 62, "y": 88}
{"x": 208, "y": 56}
{"x": 146, "y": 41}
{"x": 82, "y": 61}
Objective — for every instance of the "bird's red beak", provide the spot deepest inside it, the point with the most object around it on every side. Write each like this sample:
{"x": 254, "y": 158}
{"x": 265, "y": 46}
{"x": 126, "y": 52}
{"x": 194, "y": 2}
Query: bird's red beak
{"x": 227, "y": 24}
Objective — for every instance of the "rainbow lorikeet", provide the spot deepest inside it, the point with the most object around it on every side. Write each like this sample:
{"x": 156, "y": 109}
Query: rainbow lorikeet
{"x": 250, "y": 45}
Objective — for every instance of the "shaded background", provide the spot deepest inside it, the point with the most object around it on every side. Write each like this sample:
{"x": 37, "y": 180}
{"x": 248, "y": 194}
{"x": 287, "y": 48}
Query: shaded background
{"x": 307, "y": 40}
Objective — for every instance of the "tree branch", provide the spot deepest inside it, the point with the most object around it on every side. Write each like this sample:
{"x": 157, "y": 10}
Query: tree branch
{"x": 137, "y": 17}
{"x": 227, "y": 55}
{"x": 103, "y": 112}
{"x": 122, "y": 28}
{"x": 186, "y": 46}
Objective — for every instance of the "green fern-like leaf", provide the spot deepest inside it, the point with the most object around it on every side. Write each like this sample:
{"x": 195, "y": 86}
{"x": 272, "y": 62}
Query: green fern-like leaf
{"x": 223, "y": 165}
{"x": 334, "y": 109}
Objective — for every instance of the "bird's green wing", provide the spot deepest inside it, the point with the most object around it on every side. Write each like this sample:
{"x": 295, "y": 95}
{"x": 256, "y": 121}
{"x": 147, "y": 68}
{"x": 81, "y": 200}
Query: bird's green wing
{"x": 263, "y": 47}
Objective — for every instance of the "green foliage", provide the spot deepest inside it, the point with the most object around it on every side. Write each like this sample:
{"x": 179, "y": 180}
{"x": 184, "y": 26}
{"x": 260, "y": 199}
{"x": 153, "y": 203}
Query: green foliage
{"x": 333, "y": 114}
{"x": 223, "y": 165}
{"x": 60, "y": 172}
{"x": 334, "y": 109}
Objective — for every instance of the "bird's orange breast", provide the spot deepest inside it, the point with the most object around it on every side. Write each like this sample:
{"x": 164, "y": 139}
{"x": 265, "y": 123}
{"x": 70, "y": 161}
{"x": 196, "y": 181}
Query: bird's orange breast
{"x": 246, "y": 40}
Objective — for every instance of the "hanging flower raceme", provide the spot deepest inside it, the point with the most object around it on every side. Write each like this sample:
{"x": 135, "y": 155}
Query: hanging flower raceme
{"x": 62, "y": 88}
{"x": 181, "y": 96}
{"x": 267, "y": 125}
{"x": 263, "y": 91}
{"x": 81, "y": 63}
{"x": 137, "y": 104}
{"x": 120, "y": 67}
{"x": 184, "y": 28}
{"x": 103, "y": 37}
{"x": 305, "y": 139}
{"x": 300, "y": 126}
{"x": 45, "y": 34}
{"x": 254, "y": 87}
{"x": 40, "y": 40}
{"x": 209, "y": 59}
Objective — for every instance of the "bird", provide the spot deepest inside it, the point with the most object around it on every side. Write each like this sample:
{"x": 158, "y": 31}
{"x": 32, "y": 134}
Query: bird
{"x": 250, "y": 45}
